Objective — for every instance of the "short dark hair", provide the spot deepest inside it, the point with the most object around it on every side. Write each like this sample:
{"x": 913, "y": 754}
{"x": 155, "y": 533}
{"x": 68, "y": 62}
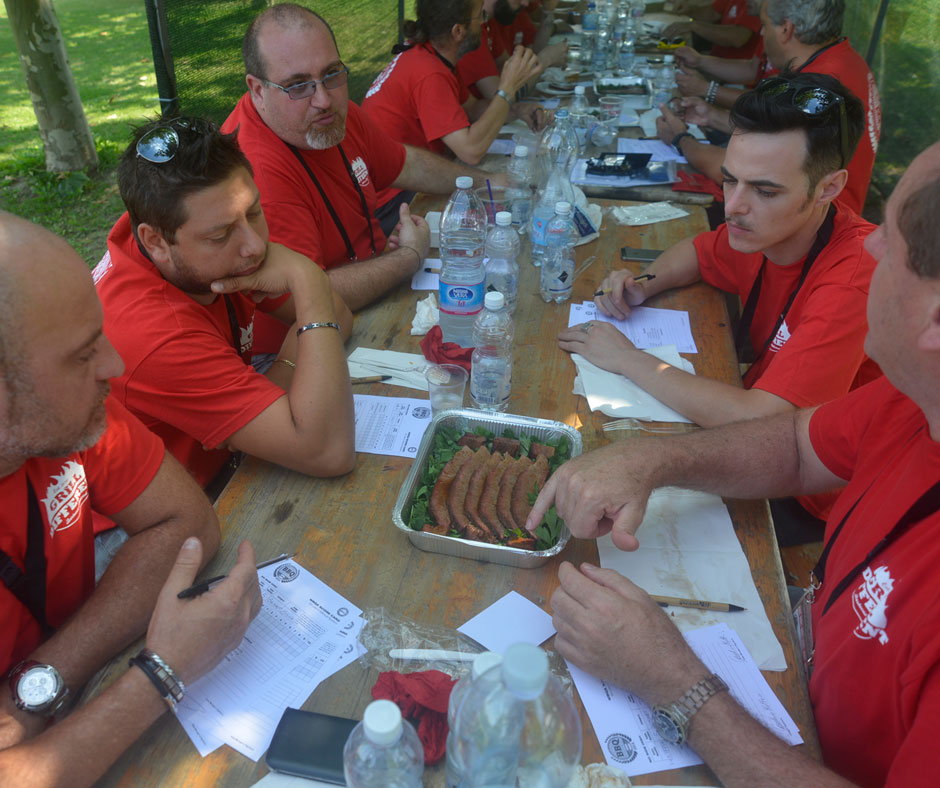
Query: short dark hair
{"x": 917, "y": 221}
{"x": 153, "y": 193}
{"x": 286, "y": 15}
{"x": 435, "y": 18}
{"x": 770, "y": 114}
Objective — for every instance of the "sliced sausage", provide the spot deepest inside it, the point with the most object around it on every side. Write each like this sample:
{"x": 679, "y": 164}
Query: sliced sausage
{"x": 541, "y": 450}
{"x": 472, "y": 440}
{"x": 490, "y": 494}
{"x": 530, "y": 479}
{"x": 475, "y": 490}
{"x": 457, "y": 495}
{"x": 445, "y": 479}
{"x": 506, "y": 485}
{"x": 509, "y": 446}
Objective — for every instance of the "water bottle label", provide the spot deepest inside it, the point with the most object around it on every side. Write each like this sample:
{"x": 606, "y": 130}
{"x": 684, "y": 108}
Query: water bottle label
{"x": 538, "y": 229}
{"x": 461, "y": 299}
{"x": 583, "y": 224}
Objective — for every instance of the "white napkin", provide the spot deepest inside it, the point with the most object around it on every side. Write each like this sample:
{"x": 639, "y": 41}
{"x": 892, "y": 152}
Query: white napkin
{"x": 618, "y": 396}
{"x": 650, "y": 213}
{"x": 405, "y": 369}
{"x": 427, "y": 315}
{"x": 648, "y": 124}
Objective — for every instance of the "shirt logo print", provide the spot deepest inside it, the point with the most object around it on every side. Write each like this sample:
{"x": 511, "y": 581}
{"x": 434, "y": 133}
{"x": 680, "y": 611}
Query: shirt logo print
{"x": 870, "y": 603}
{"x": 783, "y": 334}
{"x": 65, "y": 498}
{"x": 360, "y": 170}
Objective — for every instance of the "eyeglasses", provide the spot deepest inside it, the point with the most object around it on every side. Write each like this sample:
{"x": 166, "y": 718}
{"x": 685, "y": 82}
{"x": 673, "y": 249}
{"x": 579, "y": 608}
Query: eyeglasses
{"x": 306, "y": 89}
{"x": 161, "y": 143}
{"x": 810, "y": 100}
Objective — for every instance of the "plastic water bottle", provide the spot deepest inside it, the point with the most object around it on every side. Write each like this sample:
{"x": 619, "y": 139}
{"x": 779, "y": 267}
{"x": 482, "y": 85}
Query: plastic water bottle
{"x": 628, "y": 48}
{"x": 589, "y": 19}
{"x": 558, "y": 147}
{"x": 502, "y": 269}
{"x": 383, "y": 751}
{"x": 463, "y": 236}
{"x": 481, "y": 663}
{"x": 558, "y": 262}
{"x": 602, "y": 42}
{"x": 557, "y": 188}
{"x": 522, "y": 180}
{"x": 517, "y": 725}
{"x": 579, "y": 102}
{"x": 491, "y": 362}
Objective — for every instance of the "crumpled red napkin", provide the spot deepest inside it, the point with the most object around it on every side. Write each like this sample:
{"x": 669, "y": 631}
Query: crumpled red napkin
{"x": 422, "y": 697}
{"x": 697, "y": 182}
{"x": 440, "y": 352}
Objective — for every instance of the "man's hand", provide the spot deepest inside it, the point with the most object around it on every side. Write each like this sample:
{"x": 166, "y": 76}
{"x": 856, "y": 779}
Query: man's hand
{"x": 688, "y": 57}
{"x": 620, "y": 293}
{"x": 282, "y": 271}
{"x": 412, "y": 232}
{"x": 668, "y": 125}
{"x": 519, "y": 69}
{"x": 600, "y": 343}
{"x": 690, "y": 82}
{"x": 193, "y": 635}
{"x": 604, "y": 491}
{"x": 678, "y": 30}
{"x": 611, "y": 628}
{"x": 696, "y": 110}
{"x": 532, "y": 113}
{"x": 554, "y": 55}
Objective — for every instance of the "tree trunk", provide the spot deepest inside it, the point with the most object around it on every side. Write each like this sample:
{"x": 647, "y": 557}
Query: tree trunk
{"x": 63, "y": 128}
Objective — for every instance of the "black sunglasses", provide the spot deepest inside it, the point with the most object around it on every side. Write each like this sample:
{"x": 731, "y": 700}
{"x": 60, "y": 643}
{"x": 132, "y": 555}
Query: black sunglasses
{"x": 160, "y": 144}
{"x": 811, "y": 100}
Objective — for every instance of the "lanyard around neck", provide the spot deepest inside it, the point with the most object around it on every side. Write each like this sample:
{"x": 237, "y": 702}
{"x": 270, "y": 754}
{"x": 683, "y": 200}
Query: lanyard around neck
{"x": 818, "y": 52}
{"x": 350, "y": 251}
{"x": 742, "y": 336}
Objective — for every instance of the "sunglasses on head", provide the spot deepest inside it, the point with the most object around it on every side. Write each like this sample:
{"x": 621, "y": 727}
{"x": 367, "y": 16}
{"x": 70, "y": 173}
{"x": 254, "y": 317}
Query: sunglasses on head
{"x": 811, "y": 100}
{"x": 160, "y": 144}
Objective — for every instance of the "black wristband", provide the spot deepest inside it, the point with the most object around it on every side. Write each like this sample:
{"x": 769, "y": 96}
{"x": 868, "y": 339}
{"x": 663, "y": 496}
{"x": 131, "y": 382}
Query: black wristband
{"x": 677, "y": 140}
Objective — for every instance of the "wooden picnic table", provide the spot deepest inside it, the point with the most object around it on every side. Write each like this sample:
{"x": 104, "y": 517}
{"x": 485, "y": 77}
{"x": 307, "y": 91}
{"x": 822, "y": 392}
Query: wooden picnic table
{"x": 342, "y": 528}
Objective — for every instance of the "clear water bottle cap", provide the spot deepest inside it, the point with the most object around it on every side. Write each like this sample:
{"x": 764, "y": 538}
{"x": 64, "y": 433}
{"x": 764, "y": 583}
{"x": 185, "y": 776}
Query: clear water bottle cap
{"x": 503, "y": 218}
{"x": 668, "y": 58}
{"x": 579, "y": 90}
{"x": 521, "y": 151}
{"x": 561, "y": 113}
{"x": 485, "y": 659}
{"x": 562, "y": 207}
{"x": 464, "y": 182}
{"x": 382, "y": 722}
{"x": 494, "y": 301}
{"x": 525, "y": 670}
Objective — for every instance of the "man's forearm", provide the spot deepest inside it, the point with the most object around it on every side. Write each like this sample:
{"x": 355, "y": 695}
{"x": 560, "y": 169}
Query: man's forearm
{"x": 729, "y": 69}
{"x": 361, "y": 283}
{"x": 723, "y": 35}
{"x": 706, "y": 159}
{"x": 427, "y": 172}
{"x": 77, "y": 751}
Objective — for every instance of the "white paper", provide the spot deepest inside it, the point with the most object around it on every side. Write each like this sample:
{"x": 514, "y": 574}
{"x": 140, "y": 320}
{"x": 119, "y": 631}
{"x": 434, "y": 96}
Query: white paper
{"x": 580, "y": 177}
{"x": 619, "y": 396}
{"x": 405, "y": 369}
{"x": 688, "y": 548}
{"x": 512, "y": 619}
{"x": 658, "y": 149}
{"x": 646, "y": 327}
{"x": 502, "y": 146}
{"x": 426, "y": 277}
{"x": 624, "y": 726}
{"x": 304, "y": 632}
{"x": 390, "y": 425}
{"x": 650, "y": 213}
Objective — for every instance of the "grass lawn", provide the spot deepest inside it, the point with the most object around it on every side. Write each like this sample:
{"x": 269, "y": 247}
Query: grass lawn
{"x": 109, "y": 49}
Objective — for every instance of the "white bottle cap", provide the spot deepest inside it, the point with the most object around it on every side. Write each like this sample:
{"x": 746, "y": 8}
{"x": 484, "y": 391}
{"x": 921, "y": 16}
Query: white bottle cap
{"x": 562, "y": 206}
{"x": 503, "y": 218}
{"x": 525, "y": 670}
{"x": 382, "y": 722}
{"x": 561, "y": 113}
{"x": 494, "y": 300}
{"x": 668, "y": 58}
{"x": 485, "y": 659}
{"x": 579, "y": 90}
{"x": 464, "y": 182}
{"x": 521, "y": 151}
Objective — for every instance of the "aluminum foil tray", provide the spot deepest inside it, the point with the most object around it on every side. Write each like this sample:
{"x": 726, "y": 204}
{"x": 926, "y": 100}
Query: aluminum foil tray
{"x": 467, "y": 420}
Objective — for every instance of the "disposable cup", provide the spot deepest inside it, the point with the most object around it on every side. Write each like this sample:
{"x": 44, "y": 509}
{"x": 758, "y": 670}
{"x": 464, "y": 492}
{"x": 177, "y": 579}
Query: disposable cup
{"x": 446, "y": 385}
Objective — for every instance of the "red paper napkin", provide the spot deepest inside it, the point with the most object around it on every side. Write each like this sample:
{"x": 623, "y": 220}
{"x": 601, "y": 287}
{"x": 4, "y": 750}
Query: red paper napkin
{"x": 422, "y": 697}
{"x": 699, "y": 183}
{"x": 440, "y": 352}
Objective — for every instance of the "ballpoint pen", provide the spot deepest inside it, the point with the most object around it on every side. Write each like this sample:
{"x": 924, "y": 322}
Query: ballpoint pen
{"x": 201, "y": 588}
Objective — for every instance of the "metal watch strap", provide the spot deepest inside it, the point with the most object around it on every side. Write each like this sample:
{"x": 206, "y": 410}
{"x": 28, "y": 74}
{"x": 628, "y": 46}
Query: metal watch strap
{"x": 695, "y": 698}
{"x": 310, "y": 326}
{"x": 504, "y": 95}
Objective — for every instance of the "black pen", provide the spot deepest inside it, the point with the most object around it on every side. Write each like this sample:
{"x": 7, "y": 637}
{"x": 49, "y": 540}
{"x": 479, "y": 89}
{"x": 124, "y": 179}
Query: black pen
{"x": 640, "y": 278}
{"x": 201, "y": 588}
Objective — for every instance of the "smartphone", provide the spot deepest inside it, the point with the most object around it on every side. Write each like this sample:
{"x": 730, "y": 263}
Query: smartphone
{"x": 309, "y": 744}
{"x": 639, "y": 255}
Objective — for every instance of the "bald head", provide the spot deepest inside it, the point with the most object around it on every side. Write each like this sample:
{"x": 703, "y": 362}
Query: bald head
{"x": 289, "y": 16}
{"x": 919, "y": 196}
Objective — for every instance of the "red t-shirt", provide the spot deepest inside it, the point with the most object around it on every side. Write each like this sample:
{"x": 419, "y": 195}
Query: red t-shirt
{"x": 417, "y": 100}
{"x": 478, "y": 64}
{"x": 876, "y": 685}
{"x": 109, "y": 477}
{"x": 296, "y": 214}
{"x": 734, "y": 12}
{"x": 182, "y": 376}
{"x": 846, "y": 65}
{"x": 818, "y": 352}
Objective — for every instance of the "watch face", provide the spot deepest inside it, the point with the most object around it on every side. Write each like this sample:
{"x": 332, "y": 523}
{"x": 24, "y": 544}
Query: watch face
{"x": 37, "y": 686}
{"x": 666, "y": 727}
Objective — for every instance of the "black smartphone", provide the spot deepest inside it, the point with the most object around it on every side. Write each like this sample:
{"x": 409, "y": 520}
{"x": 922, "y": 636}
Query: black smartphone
{"x": 630, "y": 254}
{"x": 309, "y": 744}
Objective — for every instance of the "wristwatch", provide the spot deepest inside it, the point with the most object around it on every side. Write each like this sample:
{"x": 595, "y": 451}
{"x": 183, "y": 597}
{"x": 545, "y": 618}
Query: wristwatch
{"x": 677, "y": 140}
{"x": 504, "y": 95}
{"x": 37, "y": 688}
{"x": 672, "y": 721}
